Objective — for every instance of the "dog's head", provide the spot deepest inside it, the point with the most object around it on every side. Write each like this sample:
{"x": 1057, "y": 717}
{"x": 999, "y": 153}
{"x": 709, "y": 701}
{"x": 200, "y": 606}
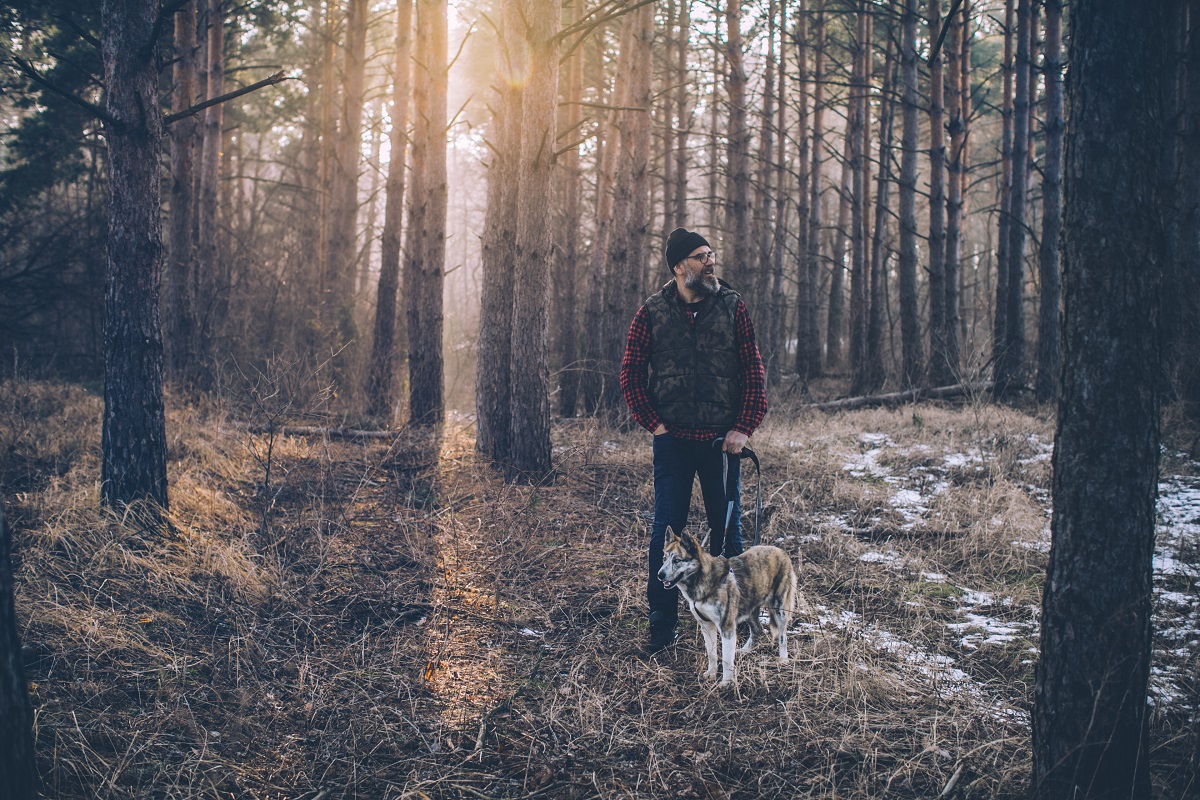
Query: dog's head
{"x": 681, "y": 558}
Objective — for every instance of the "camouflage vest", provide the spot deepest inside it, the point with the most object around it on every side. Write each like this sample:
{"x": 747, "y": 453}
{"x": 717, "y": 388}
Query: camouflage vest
{"x": 695, "y": 377}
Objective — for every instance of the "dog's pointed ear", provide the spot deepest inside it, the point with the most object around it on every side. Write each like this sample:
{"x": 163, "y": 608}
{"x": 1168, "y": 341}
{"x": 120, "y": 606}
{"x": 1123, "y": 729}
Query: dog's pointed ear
{"x": 690, "y": 545}
{"x": 671, "y": 537}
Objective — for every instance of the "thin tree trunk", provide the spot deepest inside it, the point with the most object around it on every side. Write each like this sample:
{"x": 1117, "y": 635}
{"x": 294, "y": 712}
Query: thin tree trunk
{"x": 1012, "y": 365}
{"x": 1091, "y": 716}
{"x": 566, "y": 325}
{"x": 803, "y": 284}
{"x": 529, "y": 390}
{"x": 856, "y": 131}
{"x": 1049, "y": 351}
{"x": 835, "y": 322}
{"x": 964, "y": 158}
{"x": 1000, "y": 326}
{"x": 682, "y": 96}
{"x": 808, "y": 349}
{"x": 181, "y": 305}
{"x": 775, "y": 349}
{"x": 594, "y": 313}
{"x": 133, "y": 447}
{"x": 714, "y": 157}
{"x": 875, "y": 372}
{"x": 738, "y": 243}
{"x": 425, "y": 260}
{"x": 766, "y": 189}
{"x": 913, "y": 359}
{"x": 954, "y": 201}
{"x": 381, "y": 374}
{"x": 213, "y": 288}
{"x": 940, "y": 373}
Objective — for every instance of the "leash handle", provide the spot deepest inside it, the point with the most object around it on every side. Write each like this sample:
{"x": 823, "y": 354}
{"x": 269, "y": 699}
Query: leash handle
{"x": 745, "y": 453}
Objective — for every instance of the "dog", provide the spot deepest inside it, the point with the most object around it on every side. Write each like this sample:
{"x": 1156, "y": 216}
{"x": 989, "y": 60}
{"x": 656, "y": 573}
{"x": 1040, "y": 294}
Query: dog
{"x": 721, "y": 592}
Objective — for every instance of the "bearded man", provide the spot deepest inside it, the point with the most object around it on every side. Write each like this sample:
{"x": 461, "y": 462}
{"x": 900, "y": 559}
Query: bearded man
{"x": 692, "y": 375}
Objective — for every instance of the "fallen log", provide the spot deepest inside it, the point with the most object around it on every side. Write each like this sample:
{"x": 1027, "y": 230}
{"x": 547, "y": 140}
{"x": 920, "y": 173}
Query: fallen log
{"x": 900, "y": 398}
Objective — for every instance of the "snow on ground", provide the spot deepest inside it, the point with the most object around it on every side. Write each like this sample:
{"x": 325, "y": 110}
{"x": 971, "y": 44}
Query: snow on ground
{"x": 1176, "y": 573}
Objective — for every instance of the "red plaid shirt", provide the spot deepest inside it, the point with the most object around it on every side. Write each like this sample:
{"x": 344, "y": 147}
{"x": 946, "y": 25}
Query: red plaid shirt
{"x": 635, "y": 377}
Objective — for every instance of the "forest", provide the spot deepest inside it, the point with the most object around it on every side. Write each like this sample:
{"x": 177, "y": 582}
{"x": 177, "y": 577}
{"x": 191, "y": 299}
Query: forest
{"x": 318, "y": 477}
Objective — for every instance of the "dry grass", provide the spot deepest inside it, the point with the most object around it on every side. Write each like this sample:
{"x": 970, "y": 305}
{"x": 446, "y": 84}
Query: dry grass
{"x": 390, "y": 620}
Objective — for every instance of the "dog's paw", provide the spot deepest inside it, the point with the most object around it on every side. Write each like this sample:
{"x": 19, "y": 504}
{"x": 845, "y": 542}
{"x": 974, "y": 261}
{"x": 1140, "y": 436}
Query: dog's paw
{"x": 710, "y": 674}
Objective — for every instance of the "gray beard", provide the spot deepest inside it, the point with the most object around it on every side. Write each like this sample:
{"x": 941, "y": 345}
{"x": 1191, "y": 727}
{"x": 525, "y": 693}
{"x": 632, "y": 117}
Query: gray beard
{"x": 702, "y": 284}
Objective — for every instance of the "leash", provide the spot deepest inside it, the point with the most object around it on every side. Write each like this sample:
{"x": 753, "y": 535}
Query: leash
{"x": 746, "y": 453}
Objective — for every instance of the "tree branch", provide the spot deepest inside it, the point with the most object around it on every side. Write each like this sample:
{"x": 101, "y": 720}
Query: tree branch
{"x": 946, "y": 22}
{"x": 278, "y": 77}
{"x": 96, "y": 111}
{"x": 165, "y": 12}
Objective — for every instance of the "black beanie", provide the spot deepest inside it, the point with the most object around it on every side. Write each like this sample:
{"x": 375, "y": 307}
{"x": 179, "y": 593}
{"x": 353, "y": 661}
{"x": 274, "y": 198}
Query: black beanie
{"x": 680, "y": 242}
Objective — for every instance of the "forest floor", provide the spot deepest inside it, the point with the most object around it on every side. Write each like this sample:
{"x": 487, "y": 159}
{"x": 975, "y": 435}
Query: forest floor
{"x": 387, "y": 619}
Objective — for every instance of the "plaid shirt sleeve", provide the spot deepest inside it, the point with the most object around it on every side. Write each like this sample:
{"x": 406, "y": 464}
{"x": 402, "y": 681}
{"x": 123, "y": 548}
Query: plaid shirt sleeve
{"x": 754, "y": 392}
{"x": 635, "y": 372}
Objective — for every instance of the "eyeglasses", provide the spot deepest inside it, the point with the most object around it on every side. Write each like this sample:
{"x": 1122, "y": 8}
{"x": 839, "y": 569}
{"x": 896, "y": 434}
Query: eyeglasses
{"x": 700, "y": 258}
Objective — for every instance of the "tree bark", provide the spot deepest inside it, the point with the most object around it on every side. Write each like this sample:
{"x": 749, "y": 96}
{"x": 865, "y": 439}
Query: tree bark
{"x": 835, "y": 322}
{"x": 802, "y": 187}
{"x": 859, "y": 147}
{"x": 381, "y": 374}
{"x": 566, "y": 282}
{"x": 875, "y": 374}
{"x": 913, "y": 361}
{"x": 529, "y": 459}
{"x": 685, "y": 116}
{"x": 775, "y": 349}
{"x": 808, "y": 336}
{"x": 766, "y": 190}
{"x": 133, "y": 441}
{"x": 738, "y": 264}
{"x": 1049, "y": 343}
{"x": 1090, "y": 720}
{"x": 957, "y": 111}
{"x": 425, "y": 259}
{"x": 18, "y": 772}
{"x": 180, "y": 304}
{"x": 212, "y": 270}
{"x": 1003, "y": 240}
{"x": 940, "y": 371}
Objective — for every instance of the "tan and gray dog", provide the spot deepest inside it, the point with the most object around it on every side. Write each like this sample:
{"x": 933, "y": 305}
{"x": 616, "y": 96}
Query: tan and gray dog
{"x": 722, "y": 592}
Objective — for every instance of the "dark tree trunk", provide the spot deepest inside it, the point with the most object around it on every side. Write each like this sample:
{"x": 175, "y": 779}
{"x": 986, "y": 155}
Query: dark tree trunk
{"x": 766, "y": 191}
{"x": 835, "y": 322}
{"x": 381, "y": 375}
{"x": 1090, "y": 721}
{"x": 18, "y": 775}
{"x": 940, "y": 372}
{"x": 808, "y": 336}
{"x": 134, "y": 441}
{"x": 1182, "y": 312}
{"x": 529, "y": 457}
{"x": 913, "y": 361}
{"x": 1011, "y": 364}
{"x": 425, "y": 259}
{"x": 685, "y": 116}
{"x": 875, "y": 372}
{"x": 492, "y": 380}
{"x": 802, "y": 187}
{"x": 181, "y": 275}
{"x": 1000, "y": 326}
{"x": 774, "y": 351}
{"x": 957, "y": 110}
{"x": 857, "y": 135}
{"x": 1049, "y": 344}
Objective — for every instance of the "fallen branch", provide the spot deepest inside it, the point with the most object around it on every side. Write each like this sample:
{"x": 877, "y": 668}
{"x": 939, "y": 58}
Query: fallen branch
{"x": 332, "y": 433}
{"x": 950, "y": 784}
{"x": 900, "y": 398}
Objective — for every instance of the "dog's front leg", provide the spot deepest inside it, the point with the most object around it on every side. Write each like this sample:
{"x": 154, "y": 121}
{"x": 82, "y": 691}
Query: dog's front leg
{"x": 728, "y": 643}
{"x": 710, "y": 648}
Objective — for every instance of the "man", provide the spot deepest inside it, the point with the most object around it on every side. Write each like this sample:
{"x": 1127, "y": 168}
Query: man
{"x": 691, "y": 375}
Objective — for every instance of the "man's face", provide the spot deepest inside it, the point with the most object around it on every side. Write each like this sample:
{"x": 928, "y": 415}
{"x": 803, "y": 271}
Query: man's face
{"x": 698, "y": 271}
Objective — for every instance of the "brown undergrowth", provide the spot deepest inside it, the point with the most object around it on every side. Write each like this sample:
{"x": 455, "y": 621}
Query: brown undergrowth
{"x": 389, "y": 619}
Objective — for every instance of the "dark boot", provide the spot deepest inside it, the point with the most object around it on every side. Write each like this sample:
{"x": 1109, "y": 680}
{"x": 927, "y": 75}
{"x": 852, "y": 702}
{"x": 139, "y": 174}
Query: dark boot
{"x": 662, "y": 631}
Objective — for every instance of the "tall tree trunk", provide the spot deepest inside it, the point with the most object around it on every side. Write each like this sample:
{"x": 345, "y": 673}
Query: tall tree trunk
{"x": 212, "y": 269}
{"x": 1049, "y": 345}
{"x": 766, "y": 190}
{"x": 957, "y": 303}
{"x": 529, "y": 458}
{"x": 875, "y": 373}
{"x": 425, "y": 259}
{"x": 344, "y": 190}
{"x": 913, "y": 359}
{"x": 940, "y": 372}
{"x": 682, "y": 96}
{"x": 181, "y": 274}
{"x": 808, "y": 347}
{"x": 592, "y": 379}
{"x": 1182, "y": 312}
{"x": 566, "y": 293}
{"x": 134, "y": 441}
{"x": 856, "y": 135}
{"x": 774, "y": 351}
{"x": 802, "y": 186}
{"x": 1003, "y": 240}
{"x": 714, "y": 155}
{"x": 1011, "y": 365}
{"x": 18, "y": 767}
{"x": 1090, "y": 720}
{"x": 381, "y": 374}
{"x": 623, "y": 286}
{"x": 835, "y": 322}
{"x": 738, "y": 265}
{"x": 954, "y": 198}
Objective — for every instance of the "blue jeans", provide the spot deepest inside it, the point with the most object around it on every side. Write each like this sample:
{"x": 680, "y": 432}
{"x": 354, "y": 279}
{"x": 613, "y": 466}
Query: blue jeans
{"x": 676, "y": 464}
